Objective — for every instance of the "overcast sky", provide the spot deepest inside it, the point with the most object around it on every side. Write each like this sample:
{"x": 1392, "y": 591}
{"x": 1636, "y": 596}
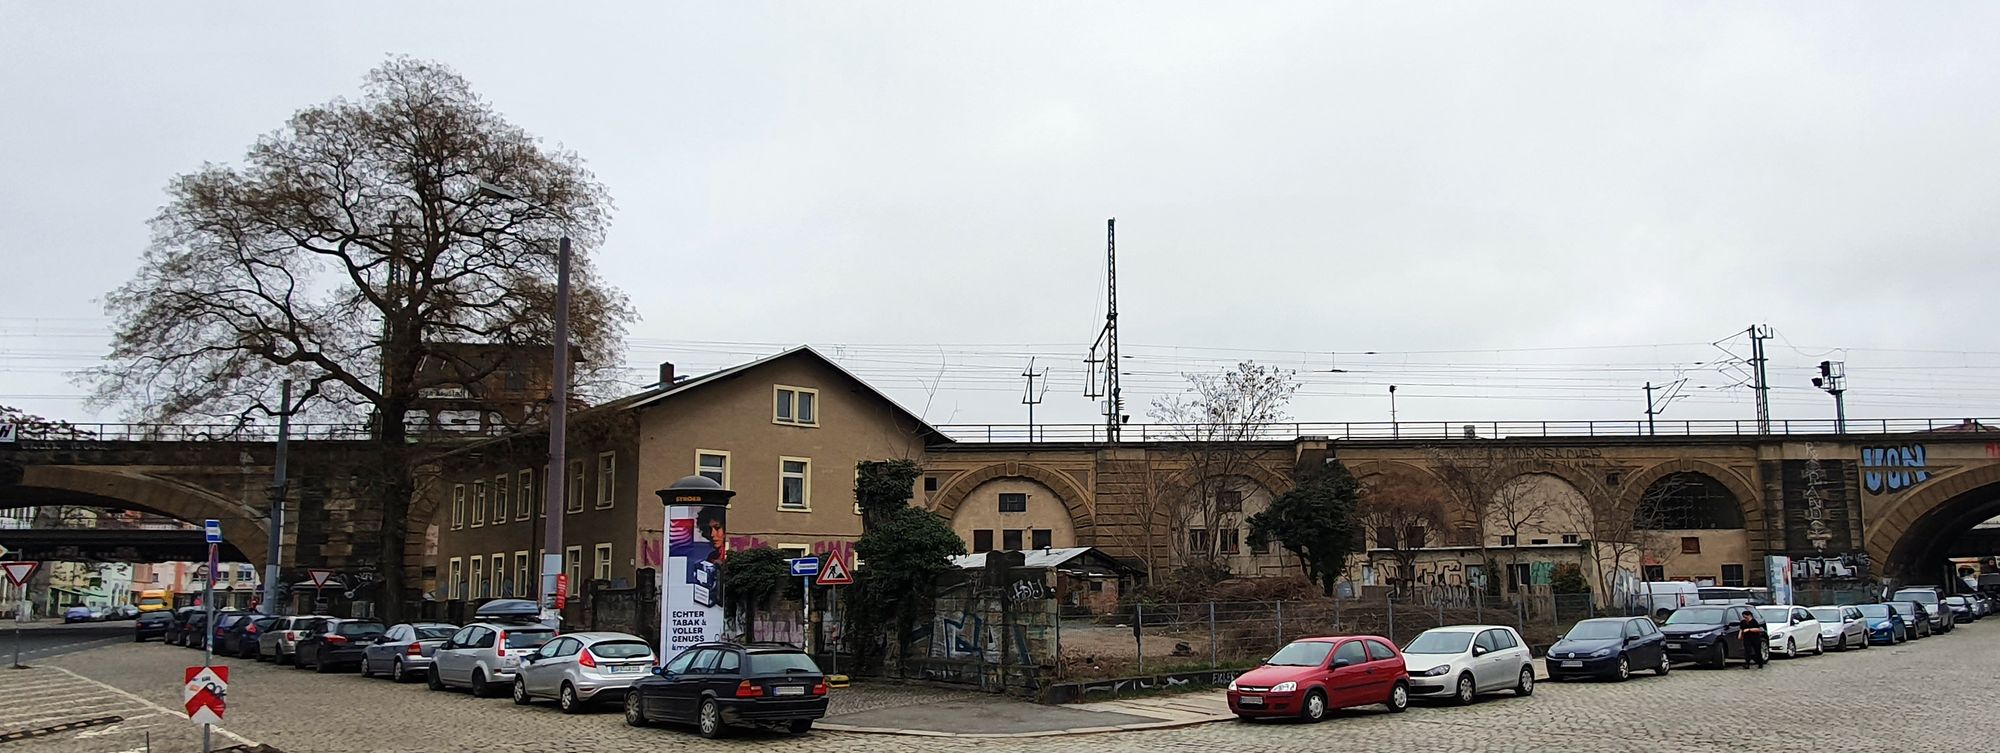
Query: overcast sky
{"x": 1526, "y": 210}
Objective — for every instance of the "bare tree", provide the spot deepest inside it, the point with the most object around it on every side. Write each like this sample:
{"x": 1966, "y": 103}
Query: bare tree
{"x": 1401, "y": 516}
{"x": 1214, "y": 425}
{"x": 354, "y": 253}
{"x": 1487, "y": 481}
{"x": 1625, "y": 537}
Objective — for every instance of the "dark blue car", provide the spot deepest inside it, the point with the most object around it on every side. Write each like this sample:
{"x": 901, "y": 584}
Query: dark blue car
{"x": 1885, "y": 625}
{"x": 1609, "y": 647}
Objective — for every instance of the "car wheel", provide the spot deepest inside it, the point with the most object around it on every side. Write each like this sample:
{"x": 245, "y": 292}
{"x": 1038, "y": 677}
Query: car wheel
{"x": 1624, "y": 670}
{"x": 1666, "y": 665}
{"x": 710, "y": 719}
{"x": 319, "y": 662}
{"x": 801, "y": 726}
{"x": 366, "y": 670}
{"x": 1819, "y": 645}
{"x": 1466, "y": 693}
{"x": 432, "y": 680}
{"x": 1399, "y": 698}
{"x": 396, "y": 672}
{"x": 567, "y": 701}
{"x": 521, "y": 692}
{"x": 635, "y": 709}
{"x": 479, "y": 689}
{"x": 1314, "y": 709}
{"x": 1526, "y": 687}
{"x": 1791, "y": 649}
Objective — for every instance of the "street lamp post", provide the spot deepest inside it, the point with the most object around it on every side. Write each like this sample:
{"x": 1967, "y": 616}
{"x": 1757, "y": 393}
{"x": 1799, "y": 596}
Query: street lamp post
{"x": 552, "y": 492}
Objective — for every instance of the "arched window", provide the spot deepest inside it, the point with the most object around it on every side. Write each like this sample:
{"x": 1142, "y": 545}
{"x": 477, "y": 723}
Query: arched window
{"x": 1687, "y": 500}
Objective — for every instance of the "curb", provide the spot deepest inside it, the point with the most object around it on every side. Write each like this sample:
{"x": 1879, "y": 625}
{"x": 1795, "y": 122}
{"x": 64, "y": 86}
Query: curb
{"x": 1134, "y": 727}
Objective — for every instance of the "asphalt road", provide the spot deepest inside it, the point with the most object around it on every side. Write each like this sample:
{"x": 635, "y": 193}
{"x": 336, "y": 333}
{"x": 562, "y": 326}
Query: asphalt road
{"x": 42, "y": 640}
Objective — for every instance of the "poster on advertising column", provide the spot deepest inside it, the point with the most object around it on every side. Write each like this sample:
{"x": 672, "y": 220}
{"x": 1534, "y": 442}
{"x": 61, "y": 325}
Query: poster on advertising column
{"x": 690, "y": 588}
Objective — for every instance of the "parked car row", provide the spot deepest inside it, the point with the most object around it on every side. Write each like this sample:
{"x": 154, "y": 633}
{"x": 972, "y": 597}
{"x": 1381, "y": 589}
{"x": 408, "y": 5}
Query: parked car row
{"x": 81, "y": 613}
{"x": 1310, "y": 677}
{"x": 507, "y": 651}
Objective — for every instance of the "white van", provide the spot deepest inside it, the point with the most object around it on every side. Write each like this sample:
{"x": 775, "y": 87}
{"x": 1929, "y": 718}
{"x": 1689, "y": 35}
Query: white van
{"x": 1662, "y": 597}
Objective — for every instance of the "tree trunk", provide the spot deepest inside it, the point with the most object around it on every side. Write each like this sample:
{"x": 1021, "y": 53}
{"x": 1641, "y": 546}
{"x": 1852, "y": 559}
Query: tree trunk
{"x": 394, "y": 492}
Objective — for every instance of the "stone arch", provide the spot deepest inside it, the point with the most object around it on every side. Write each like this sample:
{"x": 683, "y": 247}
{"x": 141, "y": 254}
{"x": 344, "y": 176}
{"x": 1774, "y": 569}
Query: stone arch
{"x": 1082, "y": 522}
{"x": 1921, "y": 519}
{"x": 1461, "y": 513}
{"x": 243, "y": 526}
{"x": 1747, "y": 499}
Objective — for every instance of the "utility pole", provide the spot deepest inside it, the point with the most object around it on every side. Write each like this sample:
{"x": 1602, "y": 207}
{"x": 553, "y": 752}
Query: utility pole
{"x": 1107, "y": 342}
{"x": 552, "y": 560}
{"x": 1833, "y": 380}
{"x": 1762, "y": 384}
{"x": 1030, "y": 396}
{"x": 1395, "y": 429}
{"x": 1649, "y": 409}
{"x": 278, "y": 484}
{"x": 1668, "y": 392}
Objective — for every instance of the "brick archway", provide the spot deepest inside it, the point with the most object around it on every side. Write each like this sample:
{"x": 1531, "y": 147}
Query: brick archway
{"x": 1461, "y": 512}
{"x": 243, "y": 526}
{"x": 1747, "y": 499}
{"x": 1922, "y": 513}
{"x": 1082, "y": 522}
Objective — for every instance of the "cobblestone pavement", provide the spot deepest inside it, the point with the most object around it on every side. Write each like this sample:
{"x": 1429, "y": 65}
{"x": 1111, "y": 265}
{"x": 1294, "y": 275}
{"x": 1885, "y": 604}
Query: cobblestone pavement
{"x": 1928, "y": 696}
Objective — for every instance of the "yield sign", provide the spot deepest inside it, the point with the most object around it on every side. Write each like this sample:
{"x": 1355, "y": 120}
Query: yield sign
{"x": 320, "y": 577}
{"x": 203, "y": 692}
{"x": 836, "y": 572}
{"x": 18, "y": 572}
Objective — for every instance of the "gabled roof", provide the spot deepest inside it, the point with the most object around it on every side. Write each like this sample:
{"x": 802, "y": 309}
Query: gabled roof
{"x": 663, "y": 392}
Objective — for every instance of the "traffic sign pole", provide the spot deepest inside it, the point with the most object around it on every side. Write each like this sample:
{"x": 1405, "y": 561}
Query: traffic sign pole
{"x": 18, "y": 574}
{"x": 212, "y": 530}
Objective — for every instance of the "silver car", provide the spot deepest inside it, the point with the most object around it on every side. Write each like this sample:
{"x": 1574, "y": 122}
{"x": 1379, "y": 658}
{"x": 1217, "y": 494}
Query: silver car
{"x": 280, "y": 642}
{"x": 1841, "y": 628}
{"x": 404, "y": 652}
{"x": 1466, "y": 660}
{"x": 483, "y": 656}
{"x": 578, "y": 668}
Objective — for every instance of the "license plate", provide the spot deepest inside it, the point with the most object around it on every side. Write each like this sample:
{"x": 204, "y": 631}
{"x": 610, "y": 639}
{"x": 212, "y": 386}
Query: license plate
{"x": 1250, "y": 700}
{"x": 1572, "y": 664}
{"x": 791, "y": 690}
{"x": 627, "y": 670}
{"x": 1673, "y": 646}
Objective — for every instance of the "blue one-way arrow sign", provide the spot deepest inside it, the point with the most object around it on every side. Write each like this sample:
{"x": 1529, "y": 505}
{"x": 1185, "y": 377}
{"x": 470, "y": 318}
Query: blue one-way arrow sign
{"x": 804, "y": 567}
{"x": 212, "y": 528}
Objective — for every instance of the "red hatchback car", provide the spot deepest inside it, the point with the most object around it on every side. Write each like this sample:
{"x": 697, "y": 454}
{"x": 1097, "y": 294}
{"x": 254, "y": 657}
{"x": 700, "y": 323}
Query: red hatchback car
{"x": 1313, "y": 676}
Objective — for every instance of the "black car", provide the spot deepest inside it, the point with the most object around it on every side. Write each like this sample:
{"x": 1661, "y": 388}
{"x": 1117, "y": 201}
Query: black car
{"x": 1610, "y": 647}
{"x": 1709, "y": 633}
{"x": 152, "y": 625}
{"x": 194, "y": 630}
{"x": 228, "y": 631}
{"x": 176, "y": 634}
{"x": 241, "y": 639}
{"x": 716, "y": 685}
{"x": 330, "y": 643}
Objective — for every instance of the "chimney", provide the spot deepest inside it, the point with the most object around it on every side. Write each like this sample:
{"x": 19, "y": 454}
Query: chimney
{"x": 666, "y": 373}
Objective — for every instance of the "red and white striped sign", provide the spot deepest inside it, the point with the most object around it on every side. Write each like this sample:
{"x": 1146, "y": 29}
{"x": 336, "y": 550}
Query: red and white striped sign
{"x": 203, "y": 692}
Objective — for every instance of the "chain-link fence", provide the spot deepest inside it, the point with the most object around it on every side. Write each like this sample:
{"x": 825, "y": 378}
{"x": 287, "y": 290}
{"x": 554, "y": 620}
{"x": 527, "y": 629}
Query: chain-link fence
{"x": 1173, "y": 637}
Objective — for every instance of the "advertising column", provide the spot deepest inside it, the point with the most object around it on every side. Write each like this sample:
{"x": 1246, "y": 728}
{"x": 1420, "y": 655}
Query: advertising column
{"x": 697, "y": 542}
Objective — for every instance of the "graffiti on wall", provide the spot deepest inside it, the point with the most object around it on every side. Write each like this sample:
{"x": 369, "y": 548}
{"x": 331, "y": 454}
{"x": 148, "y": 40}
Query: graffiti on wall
{"x": 1819, "y": 506}
{"x": 1893, "y": 469}
{"x": 1850, "y": 565}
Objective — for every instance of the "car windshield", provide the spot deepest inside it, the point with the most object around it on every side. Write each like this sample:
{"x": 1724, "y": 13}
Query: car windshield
{"x": 1904, "y": 607}
{"x": 1596, "y": 631}
{"x": 152, "y": 601}
{"x": 1440, "y": 642}
{"x": 1774, "y": 614}
{"x": 620, "y": 649}
{"x": 358, "y": 628}
{"x": 1956, "y": 601}
{"x": 782, "y": 663}
{"x": 1697, "y": 616}
{"x": 1924, "y": 595}
{"x": 1828, "y": 614}
{"x": 1302, "y": 654}
{"x": 528, "y": 638}
{"x": 440, "y": 632}
{"x": 1876, "y": 611}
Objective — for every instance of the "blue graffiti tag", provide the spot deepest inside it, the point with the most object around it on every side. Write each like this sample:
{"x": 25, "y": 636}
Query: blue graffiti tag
{"x": 1909, "y": 459}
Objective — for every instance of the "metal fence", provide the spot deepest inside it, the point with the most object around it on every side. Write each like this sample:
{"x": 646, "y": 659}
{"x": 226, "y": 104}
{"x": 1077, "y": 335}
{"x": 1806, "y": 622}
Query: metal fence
{"x": 1221, "y": 634}
{"x": 1447, "y": 430}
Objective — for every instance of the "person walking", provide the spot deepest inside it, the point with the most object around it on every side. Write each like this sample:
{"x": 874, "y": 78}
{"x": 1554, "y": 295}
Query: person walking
{"x": 1756, "y": 640}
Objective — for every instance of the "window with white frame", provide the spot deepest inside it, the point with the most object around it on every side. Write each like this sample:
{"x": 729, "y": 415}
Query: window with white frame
{"x": 574, "y": 503}
{"x": 607, "y": 477}
{"x": 498, "y": 572}
{"x": 794, "y": 484}
{"x": 573, "y": 565}
{"x": 712, "y": 465}
{"x": 500, "y": 498}
{"x": 457, "y": 506}
{"x": 524, "y": 483}
{"x": 797, "y": 406}
{"x": 478, "y": 504}
{"x": 522, "y": 586}
{"x": 600, "y": 562}
{"x": 478, "y": 577}
{"x": 454, "y": 585}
